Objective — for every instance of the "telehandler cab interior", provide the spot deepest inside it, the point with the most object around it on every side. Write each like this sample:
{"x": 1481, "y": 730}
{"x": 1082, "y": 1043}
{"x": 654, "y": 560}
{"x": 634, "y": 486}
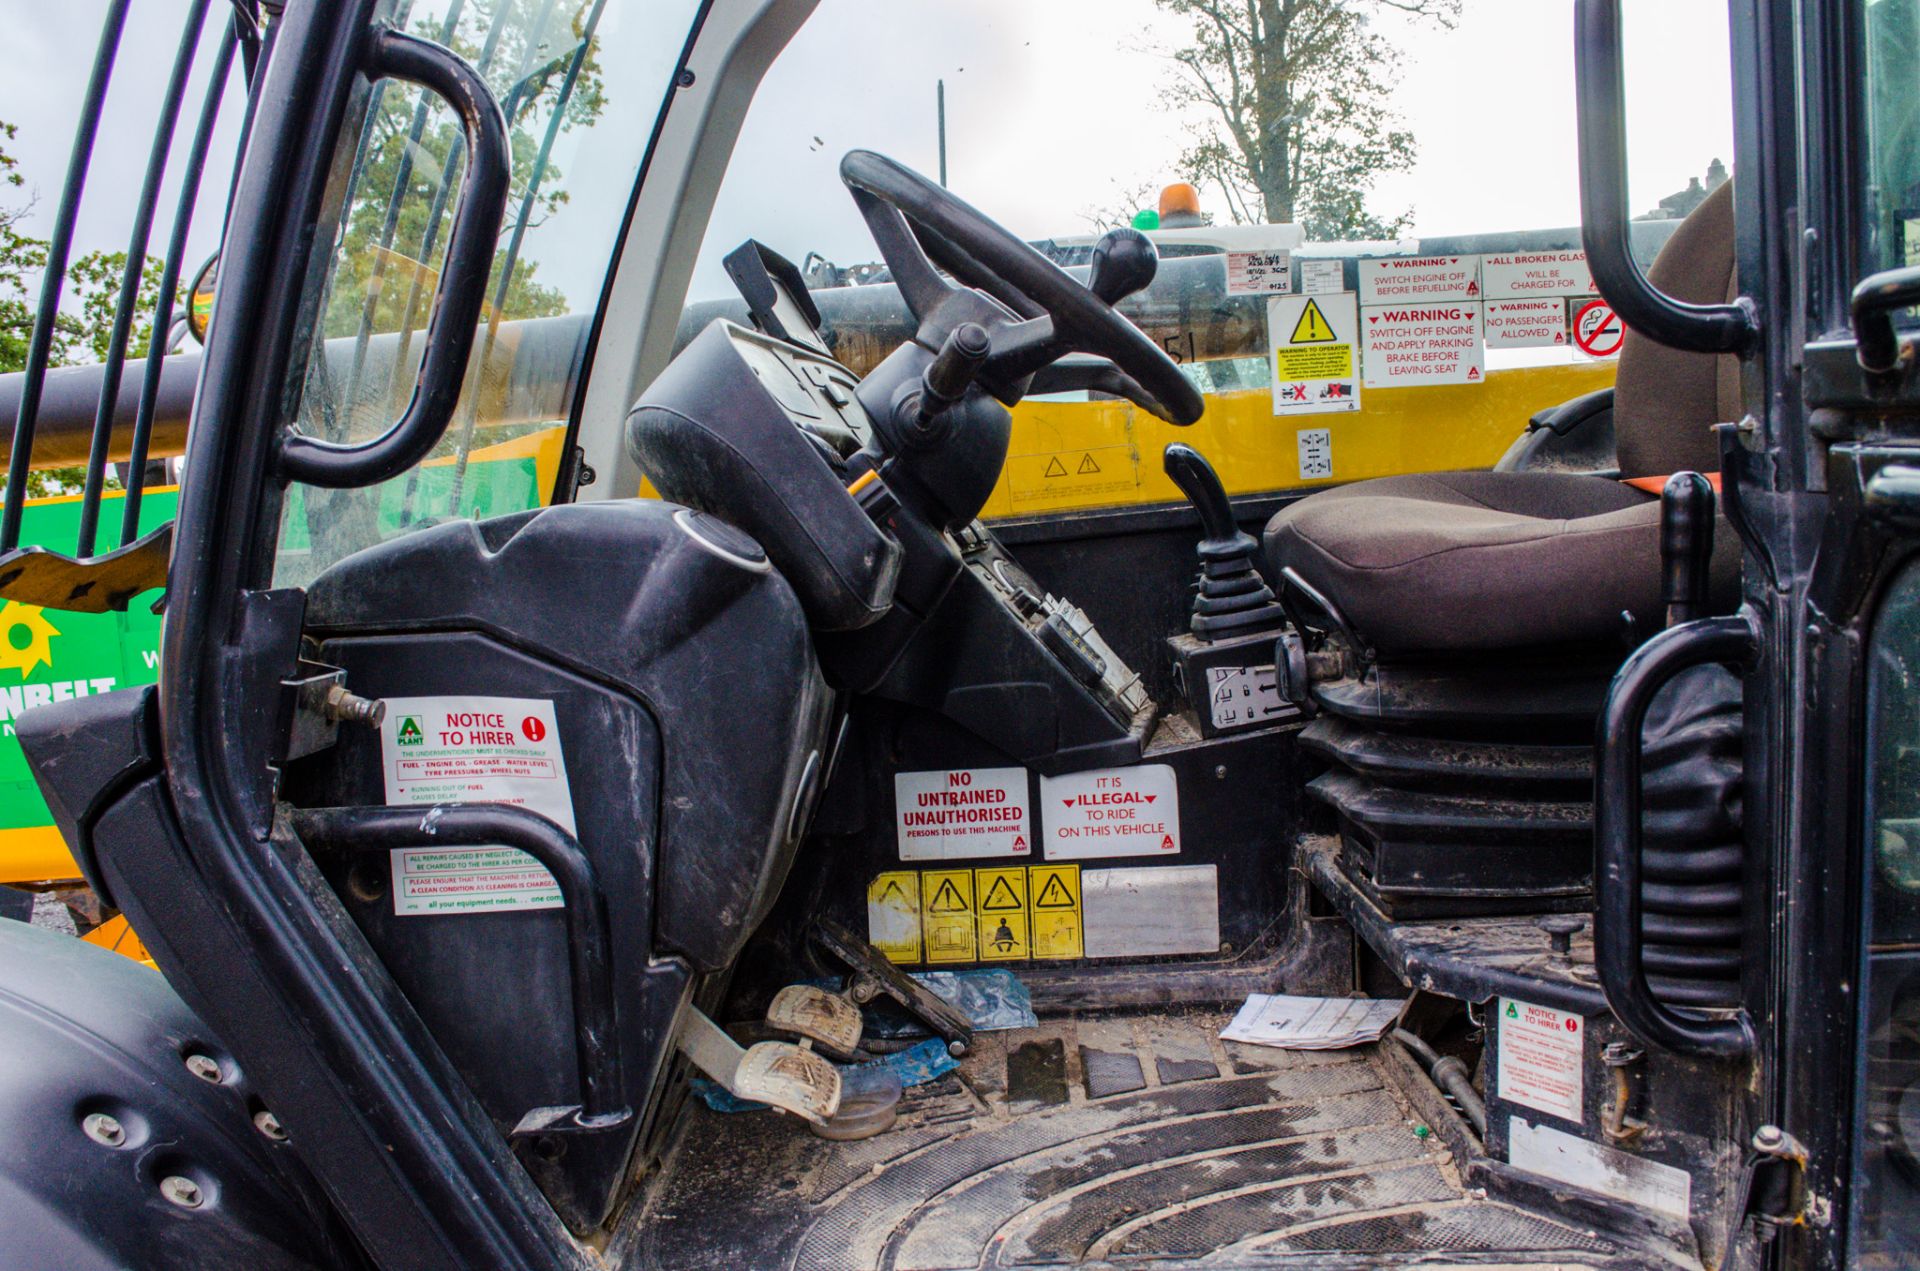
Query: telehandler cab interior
{"x": 919, "y": 708}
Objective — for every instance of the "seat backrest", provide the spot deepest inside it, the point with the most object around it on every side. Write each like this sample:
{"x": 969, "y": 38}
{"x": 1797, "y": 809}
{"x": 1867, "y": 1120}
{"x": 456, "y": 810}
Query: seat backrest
{"x": 1665, "y": 401}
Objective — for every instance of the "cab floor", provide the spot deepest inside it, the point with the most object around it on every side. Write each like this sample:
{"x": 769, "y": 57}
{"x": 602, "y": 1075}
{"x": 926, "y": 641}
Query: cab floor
{"x": 1139, "y": 1140}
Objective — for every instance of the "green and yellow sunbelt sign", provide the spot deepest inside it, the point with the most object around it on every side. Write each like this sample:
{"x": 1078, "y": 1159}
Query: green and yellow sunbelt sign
{"x": 52, "y": 655}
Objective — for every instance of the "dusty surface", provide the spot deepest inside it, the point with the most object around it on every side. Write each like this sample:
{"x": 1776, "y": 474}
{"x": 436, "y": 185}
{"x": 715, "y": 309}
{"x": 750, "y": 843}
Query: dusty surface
{"x": 1137, "y": 1140}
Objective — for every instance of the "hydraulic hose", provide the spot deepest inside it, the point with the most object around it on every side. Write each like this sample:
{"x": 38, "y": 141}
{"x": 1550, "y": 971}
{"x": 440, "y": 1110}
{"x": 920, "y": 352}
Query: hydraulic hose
{"x": 1451, "y": 1076}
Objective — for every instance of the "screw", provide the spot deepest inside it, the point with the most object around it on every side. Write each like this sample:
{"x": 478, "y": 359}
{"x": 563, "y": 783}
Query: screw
{"x": 269, "y": 1125}
{"x": 1768, "y": 1137}
{"x": 351, "y": 708}
{"x": 956, "y": 1048}
{"x": 204, "y": 1068}
{"x": 1220, "y": 772}
{"x": 104, "y": 1130}
{"x": 183, "y": 1192}
{"x": 684, "y": 79}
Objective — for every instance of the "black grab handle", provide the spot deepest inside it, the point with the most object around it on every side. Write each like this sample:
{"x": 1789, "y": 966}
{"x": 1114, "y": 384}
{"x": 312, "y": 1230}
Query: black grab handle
{"x": 1604, "y": 218}
{"x": 463, "y": 279}
{"x": 1876, "y": 340}
{"x": 589, "y": 931}
{"x": 1616, "y": 836}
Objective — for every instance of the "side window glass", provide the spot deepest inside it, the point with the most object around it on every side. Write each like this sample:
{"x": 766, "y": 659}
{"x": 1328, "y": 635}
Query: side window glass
{"x": 1891, "y": 201}
{"x": 579, "y": 82}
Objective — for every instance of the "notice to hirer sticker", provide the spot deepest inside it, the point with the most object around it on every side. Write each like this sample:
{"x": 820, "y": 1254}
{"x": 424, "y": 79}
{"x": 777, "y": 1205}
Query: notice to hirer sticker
{"x": 1541, "y": 1052}
{"x": 953, "y": 814}
{"x": 474, "y": 750}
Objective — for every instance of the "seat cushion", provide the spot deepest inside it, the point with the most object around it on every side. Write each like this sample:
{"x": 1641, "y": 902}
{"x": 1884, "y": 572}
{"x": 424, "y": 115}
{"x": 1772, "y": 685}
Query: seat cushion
{"x": 1457, "y": 561}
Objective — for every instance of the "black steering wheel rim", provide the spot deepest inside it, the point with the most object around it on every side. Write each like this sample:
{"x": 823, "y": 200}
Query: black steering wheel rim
{"x": 983, "y": 255}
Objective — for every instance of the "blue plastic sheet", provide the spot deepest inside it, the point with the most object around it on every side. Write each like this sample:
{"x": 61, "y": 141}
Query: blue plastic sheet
{"x": 914, "y": 1066}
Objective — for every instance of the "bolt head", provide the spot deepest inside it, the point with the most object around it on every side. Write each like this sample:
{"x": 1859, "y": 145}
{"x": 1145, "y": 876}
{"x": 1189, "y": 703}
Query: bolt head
{"x": 104, "y": 1129}
{"x": 269, "y": 1125}
{"x": 204, "y": 1067}
{"x": 956, "y": 1048}
{"x": 1769, "y": 1136}
{"x": 183, "y": 1192}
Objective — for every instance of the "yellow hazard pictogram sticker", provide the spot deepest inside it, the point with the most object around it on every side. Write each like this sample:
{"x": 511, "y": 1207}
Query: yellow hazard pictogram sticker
{"x": 893, "y": 915}
{"x": 1004, "y": 924}
{"x": 1058, "y": 931}
{"x": 946, "y": 914}
{"x": 25, "y": 638}
{"x": 1313, "y": 327}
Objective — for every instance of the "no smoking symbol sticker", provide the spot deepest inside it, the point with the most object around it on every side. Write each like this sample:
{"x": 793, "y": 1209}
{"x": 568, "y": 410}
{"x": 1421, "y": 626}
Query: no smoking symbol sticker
{"x": 1597, "y": 329}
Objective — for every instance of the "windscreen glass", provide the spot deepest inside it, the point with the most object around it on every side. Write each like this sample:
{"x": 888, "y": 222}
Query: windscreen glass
{"x": 1891, "y": 201}
{"x": 1367, "y": 220}
{"x": 580, "y": 83}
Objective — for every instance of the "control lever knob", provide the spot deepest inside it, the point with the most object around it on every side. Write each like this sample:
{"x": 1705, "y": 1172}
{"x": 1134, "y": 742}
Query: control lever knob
{"x": 1231, "y": 596}
{"x": 1561, "y": 929}
{"x": 952, "y": 370}
{"x": 1201, "y": 484}
{"x": 1686, "y": 545}
{"x": 1124, "y": 261}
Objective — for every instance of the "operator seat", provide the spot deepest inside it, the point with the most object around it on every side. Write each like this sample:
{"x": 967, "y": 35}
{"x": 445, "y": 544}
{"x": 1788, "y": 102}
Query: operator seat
{"x": 1466, "y": 562}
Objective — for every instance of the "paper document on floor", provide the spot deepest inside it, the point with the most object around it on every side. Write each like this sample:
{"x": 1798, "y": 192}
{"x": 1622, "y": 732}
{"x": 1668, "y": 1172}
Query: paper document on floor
{"x": 1311, "y": 1023}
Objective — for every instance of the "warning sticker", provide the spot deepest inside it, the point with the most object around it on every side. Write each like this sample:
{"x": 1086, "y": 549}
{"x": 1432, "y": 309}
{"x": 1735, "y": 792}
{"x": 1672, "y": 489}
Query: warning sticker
{"x": 1424, "y": 344}
{"x": 946, "y": 907}
{"x": 1311, "y": 341}
{"x": 1526, "y": 324}
{"x": 1518, "y": 274}
{"x": 474, "y": 750}
{"x": 1400, "y": 279}
{"x": 1058, "y": 927}
{"x": 1541, "y": 1058}
{"x": 1004, "y": 918}
{"x": 1597, "y": 330}
{"x": 954, "y": 814}
{"x": 1259, "y": 273}
{"x": 893, "y": 915}
{"x": 1072, "y": 474}
{"x": 1319, "y": 276}
{"x": 1112, "y": 812}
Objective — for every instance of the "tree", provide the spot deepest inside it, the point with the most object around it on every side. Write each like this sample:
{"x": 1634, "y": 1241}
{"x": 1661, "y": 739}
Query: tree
{"x": 1295, "y": 103}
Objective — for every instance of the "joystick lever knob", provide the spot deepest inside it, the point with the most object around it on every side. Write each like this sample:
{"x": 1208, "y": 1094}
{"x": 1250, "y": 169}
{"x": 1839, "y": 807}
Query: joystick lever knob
{"x": 1686, "y": 545}
{"x": 1232, "y": 597}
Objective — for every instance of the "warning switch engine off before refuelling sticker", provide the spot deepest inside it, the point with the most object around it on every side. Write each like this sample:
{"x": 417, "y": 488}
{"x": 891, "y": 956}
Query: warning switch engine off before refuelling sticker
{"x": 474, "y": 750}
{"x": 954, "y": 814}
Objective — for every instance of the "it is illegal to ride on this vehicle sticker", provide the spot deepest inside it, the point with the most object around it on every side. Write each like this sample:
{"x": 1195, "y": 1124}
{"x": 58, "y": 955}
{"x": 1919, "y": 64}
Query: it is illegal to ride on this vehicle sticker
{"x": 474, "y": 750}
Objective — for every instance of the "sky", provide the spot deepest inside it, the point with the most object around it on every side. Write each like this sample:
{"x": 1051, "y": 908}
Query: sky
{"x": 1054, "y": 109}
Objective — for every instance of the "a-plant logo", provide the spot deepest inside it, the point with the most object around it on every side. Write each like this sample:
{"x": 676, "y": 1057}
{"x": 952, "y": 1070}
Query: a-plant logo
{"x": 410, "y": 734}
{"x": 26, "y": 638}
{"x": 1511, "y": 1012}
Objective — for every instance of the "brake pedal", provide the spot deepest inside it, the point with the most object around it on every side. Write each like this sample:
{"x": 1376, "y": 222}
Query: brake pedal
{"x": 828, "y": 1020}
{"x": 779, "y": 1074}
{"x": 870, "y": 976}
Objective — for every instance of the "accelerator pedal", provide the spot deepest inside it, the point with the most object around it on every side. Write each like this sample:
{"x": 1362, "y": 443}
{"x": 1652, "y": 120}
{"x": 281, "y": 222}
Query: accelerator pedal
{"x": 778, "y": 1074}
{"x": 828, "y": 1020}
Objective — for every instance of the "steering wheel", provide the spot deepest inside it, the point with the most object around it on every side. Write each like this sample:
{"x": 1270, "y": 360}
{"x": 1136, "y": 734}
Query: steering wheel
{"x": 916, "y": 223}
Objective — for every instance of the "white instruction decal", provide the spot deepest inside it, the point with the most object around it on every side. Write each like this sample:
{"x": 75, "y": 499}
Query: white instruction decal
{"x": 953, "y": 814}
{"x": 1112, "y": 812}
{"x": 1315, "y": 446}
{"x": 1318, "y": 276}
{"x": 1419, "y": 279}
{"x": 1242, "y": 695}
{"x": 1526, "y": 324}
{"x": 474, "y": 750}
{"x": 1312, "y": 346}
{"x": 1423, "y": 344}
{"x": 1541, "y": 1058}
{"x": 1551, "y": 1153}
{"x": 1259, "y": 273}
{"x": 1516, "y": 275}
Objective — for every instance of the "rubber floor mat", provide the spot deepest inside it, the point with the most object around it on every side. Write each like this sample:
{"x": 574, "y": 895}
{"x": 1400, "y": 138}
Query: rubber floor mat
{"x": 1230, "y": 1156}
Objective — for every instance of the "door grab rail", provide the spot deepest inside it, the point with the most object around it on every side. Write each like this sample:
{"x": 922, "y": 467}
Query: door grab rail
{"x": 589, "y": 933}
{"x": 1617, "y": 832}
{"x": 1876, "y": 341}
{"x": 463, "y": 279}
{"x": 1601, "y": 98}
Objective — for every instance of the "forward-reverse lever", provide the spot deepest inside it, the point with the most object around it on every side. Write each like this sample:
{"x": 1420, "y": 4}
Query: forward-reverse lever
{"x": 920, "y": 416}
{"x": 1232, "y": 597}
{"x": 1686, "y": 546}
